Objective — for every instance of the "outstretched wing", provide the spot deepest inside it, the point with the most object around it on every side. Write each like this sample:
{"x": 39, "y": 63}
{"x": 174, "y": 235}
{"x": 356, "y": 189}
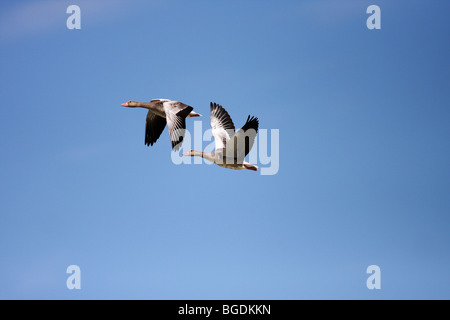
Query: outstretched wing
{"x": 222, "y": 125}
{"x": 242, "y": 142}
{"x": 176, "y": 113}
{"x": 154, "y": 126}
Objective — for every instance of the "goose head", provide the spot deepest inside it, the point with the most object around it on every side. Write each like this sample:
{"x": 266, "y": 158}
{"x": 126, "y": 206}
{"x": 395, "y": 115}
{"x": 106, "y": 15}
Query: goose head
{"x": 195, "y": 153}
{"x": 129, "y": 104}
{"x": 190, "y": 153}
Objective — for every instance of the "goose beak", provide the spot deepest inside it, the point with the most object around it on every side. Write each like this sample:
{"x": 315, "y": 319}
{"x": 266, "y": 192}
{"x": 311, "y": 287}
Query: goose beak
{"x": 125, "y": 104}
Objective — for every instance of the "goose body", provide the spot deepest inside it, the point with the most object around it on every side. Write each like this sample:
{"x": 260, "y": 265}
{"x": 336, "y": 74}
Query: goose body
{"x": 231, "y": 147}
{"x": 160, "y": 112}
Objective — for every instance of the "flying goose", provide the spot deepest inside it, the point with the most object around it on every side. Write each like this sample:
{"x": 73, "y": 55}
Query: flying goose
{"x": 160, "y": 112}
{"x": 231, "y": 147}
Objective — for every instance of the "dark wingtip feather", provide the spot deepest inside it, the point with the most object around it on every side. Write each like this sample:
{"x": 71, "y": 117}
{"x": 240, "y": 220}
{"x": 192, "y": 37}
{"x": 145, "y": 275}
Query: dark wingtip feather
{"x": 251, "y": 123}
{"x": 214, "y": 105}
{"x": 185, "y": 112}
{"x": 176, "y": 145}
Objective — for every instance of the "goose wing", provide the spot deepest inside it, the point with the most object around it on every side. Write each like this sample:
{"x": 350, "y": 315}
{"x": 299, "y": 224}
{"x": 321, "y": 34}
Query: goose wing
{"x": 242, "y": 141}
{"x": 176, "y": 113}
{"x": 154, "y": 126}
{"x": 222, "y": 125}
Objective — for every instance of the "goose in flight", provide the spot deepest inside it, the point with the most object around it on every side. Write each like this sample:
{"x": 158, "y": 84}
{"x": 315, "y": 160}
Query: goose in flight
{"x": 231, "y": 147}
{"x": 160, "y": 112}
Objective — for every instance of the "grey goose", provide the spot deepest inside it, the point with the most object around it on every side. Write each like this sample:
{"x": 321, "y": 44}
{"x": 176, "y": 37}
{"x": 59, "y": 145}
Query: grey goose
{"x": 160, "y": 112}
{"x": 230, "y": 147}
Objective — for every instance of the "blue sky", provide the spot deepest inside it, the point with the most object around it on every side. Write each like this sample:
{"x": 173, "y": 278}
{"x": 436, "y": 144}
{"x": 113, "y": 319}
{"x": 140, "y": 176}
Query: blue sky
{"x": 364, "y": 177}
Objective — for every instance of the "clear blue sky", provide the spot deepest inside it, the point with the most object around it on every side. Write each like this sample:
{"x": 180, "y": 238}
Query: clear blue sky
{"x": 364, "y": 173}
